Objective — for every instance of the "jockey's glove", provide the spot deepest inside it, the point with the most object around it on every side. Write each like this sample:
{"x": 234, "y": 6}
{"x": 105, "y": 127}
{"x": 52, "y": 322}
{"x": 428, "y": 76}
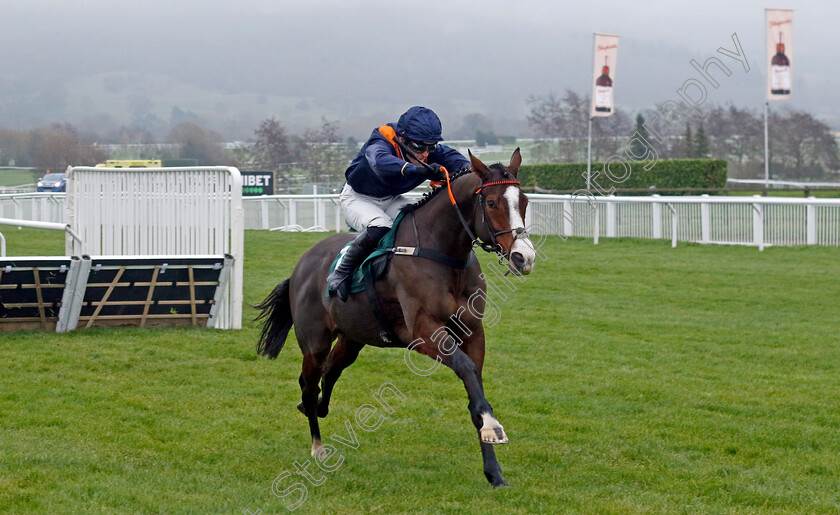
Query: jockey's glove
{"x": 437, "y": 173}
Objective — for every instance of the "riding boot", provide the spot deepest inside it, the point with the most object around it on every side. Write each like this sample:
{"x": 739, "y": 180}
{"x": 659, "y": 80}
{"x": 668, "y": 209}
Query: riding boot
{"x": 361, "y": 248}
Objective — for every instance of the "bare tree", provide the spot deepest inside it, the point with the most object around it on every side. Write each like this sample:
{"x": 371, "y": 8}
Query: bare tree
{"x": 610, "y": 134}
{"x": 327, "y": 155}
{"x": 801, "y": 146}
{"x": 13, "y": 148}
{"x": 59, "y": 146}
{"x": 561, "y": 124}
{"x": 273, "y": 147}
{"x": 201, "y": 144}
{"x": 473, "y": 124}
{"x": 736, "y": 135}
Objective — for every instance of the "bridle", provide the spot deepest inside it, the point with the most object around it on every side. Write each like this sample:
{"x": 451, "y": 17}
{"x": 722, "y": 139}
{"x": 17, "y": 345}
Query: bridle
{"x": 520, "y": 232}
{"x": 494, "y": 246}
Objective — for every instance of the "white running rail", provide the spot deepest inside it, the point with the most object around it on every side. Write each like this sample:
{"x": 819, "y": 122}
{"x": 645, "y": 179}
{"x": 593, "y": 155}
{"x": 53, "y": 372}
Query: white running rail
{"x": 758, "y": 221}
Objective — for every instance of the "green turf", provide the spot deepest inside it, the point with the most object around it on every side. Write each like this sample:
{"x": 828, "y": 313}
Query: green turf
{"x": 630, "y": 377}
{"x": 11, "y": 177}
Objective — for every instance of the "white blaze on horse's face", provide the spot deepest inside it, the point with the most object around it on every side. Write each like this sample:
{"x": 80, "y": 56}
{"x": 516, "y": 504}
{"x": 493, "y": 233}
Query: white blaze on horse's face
{"x": 522, "y": 253}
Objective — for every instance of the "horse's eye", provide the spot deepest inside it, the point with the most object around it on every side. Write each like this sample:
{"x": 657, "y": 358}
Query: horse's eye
{"x": 491, "y": 204}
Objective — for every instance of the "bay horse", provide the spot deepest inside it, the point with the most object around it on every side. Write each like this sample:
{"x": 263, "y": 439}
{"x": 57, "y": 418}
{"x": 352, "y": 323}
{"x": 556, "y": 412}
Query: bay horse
{"x": 418, "y": 296}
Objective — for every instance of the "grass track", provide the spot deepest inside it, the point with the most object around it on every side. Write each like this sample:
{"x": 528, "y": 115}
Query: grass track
{"x": 631, "y": 378}
{"x": 11, "y": 177}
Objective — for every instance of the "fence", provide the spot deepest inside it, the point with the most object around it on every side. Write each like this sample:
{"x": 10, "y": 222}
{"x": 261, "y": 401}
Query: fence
{"x": 306, "y": 213}
{"x": 160, "y": 211}
{"x": 758, "y": 221}
{"x": 41, "y": 207}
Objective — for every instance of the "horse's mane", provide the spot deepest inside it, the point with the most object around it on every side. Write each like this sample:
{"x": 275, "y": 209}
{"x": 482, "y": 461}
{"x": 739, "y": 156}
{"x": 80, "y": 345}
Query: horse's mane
{"x": 435, "y": 191}
{"x": 457, "y": 175}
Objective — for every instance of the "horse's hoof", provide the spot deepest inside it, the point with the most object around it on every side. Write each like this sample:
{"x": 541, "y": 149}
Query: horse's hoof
{"x": 323, "y": 410}
{"x": 496, "y": 479}
{"x": 317, "y": 448}
{"x": 493, "y": 434}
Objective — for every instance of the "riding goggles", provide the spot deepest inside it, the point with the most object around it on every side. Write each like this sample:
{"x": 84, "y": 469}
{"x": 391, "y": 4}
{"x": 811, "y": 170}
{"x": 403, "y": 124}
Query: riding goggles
{"x": 420, "y": 146}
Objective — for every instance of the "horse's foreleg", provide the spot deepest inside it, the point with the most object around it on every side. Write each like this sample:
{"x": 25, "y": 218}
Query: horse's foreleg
{"x": 474, "y": 348}
{"x": 342, "y": 355}
{"x": 489, "y": 429}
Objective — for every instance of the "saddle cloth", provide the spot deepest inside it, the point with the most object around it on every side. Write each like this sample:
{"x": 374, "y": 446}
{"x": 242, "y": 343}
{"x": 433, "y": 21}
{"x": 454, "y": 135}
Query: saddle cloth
{"x": 375, "y": 265}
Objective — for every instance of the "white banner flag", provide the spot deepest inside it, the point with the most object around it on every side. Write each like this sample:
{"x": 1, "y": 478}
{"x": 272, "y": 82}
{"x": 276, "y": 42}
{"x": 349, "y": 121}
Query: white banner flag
{"x": 779, "y": 27}
{"x": 606, "y": 51}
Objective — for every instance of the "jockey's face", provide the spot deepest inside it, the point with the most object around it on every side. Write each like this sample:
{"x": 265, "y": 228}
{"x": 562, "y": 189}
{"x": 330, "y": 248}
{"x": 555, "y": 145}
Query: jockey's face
{"x": 420, "y": 149}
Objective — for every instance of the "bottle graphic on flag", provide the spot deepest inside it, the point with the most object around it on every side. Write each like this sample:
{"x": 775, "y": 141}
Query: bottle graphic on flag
{"x": 780, "y": 70}
{"x": 603, "y": 89}
{"x": 779, "y": 47}
{"x": 604, "y": 59}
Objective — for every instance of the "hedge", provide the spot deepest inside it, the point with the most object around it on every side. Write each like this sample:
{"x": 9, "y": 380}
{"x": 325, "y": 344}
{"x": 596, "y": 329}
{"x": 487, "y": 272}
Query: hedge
{"x": 666, "y": 173}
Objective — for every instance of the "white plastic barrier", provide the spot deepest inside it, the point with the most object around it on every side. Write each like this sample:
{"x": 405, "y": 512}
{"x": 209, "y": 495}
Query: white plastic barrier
{"x": 160, "y": 211}
{"x": 40, "y": 207}
{"x": 758, "y": 221}
{"x": 298, "y": 213}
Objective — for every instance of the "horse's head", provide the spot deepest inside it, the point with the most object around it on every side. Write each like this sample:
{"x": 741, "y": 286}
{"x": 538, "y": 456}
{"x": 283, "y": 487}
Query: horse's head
{"x": 500, "y": 217}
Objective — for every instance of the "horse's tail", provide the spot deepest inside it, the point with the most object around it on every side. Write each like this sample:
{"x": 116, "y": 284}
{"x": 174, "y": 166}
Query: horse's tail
{"x": 277, "y": 312}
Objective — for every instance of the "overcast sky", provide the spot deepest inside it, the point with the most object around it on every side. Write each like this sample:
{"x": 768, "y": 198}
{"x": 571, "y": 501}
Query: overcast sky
{"x": 347, "y": 56}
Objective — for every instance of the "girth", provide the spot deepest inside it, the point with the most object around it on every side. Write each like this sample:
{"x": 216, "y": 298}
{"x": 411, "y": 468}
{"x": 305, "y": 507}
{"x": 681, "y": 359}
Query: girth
{"x": 388, "y": 334}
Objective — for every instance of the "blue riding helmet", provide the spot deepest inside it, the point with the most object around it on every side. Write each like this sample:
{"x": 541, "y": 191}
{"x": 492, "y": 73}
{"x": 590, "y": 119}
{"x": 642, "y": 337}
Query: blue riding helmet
{"x": 420, "y": 124}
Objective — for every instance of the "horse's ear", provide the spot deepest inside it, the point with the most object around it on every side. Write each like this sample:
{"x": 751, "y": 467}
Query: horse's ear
{"x": 515, "y": 161}
{"x": 479, "y": 167}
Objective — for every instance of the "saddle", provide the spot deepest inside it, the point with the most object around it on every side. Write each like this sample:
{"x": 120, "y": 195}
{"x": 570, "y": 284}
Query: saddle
{"x": 375, "y": 265}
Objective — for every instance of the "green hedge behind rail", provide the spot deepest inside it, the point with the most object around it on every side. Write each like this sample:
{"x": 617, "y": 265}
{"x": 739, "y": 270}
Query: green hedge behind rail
{"x": 666, "y": 173}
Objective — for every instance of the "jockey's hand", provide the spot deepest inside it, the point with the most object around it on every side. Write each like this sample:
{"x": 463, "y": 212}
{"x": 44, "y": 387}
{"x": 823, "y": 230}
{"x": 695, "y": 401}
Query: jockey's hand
{"x": 438, "y": 173}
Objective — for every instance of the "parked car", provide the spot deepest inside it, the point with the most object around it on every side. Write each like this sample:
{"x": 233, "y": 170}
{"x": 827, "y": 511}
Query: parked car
{"x": 53, "y": 182}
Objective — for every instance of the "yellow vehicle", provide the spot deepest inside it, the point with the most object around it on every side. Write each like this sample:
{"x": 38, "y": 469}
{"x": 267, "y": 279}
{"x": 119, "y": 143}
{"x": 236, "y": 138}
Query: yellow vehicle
{"x": 131, "y": 163}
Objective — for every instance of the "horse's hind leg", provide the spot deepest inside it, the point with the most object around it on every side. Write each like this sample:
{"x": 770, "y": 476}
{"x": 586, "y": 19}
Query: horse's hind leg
{"x": 342, "y": 355}
{"x": 310, "y": 376}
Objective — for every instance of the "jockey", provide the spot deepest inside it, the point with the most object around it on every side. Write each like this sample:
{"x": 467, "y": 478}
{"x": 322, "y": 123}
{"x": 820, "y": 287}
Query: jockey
{"x": 380, "y": 174}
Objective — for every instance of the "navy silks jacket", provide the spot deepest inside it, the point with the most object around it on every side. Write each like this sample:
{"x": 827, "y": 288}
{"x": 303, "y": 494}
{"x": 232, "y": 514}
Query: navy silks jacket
{"x": 379, "y": 169}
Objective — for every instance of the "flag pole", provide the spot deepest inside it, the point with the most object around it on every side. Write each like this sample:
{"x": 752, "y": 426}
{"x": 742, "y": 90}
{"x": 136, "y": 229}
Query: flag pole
{"x": 589, "y": 157}
{"x": 766, "y": 149}
{"x": 589, "y": 138}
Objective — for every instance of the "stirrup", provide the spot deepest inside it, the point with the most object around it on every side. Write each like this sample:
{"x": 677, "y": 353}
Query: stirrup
{"x": 342, "y": 290}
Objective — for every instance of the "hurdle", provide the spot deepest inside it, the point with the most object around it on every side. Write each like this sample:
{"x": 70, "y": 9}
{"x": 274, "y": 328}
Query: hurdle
{"x": 138, "y": 213}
